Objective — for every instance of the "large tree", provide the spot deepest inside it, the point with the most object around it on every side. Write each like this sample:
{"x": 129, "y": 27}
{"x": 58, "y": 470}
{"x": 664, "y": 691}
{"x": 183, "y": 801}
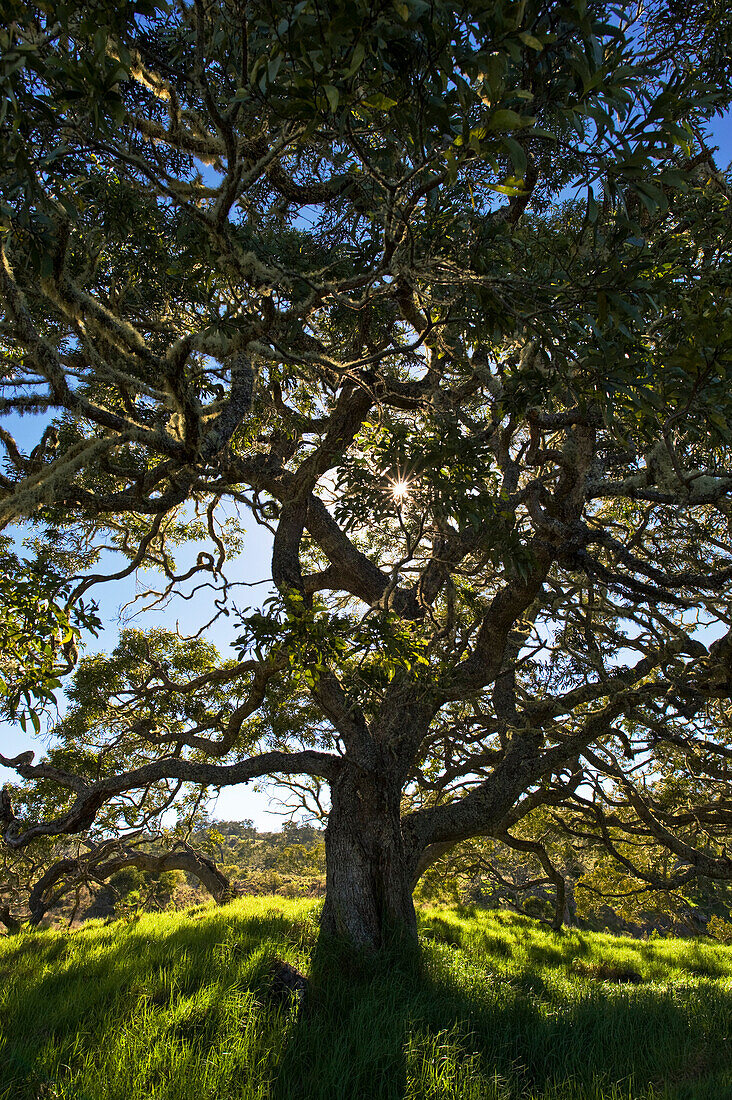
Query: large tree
{"x": 440, "y": 294}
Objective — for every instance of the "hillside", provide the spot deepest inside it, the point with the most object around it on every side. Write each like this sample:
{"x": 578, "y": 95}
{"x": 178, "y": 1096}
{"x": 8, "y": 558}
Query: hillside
{"x": 177, "y": 1007}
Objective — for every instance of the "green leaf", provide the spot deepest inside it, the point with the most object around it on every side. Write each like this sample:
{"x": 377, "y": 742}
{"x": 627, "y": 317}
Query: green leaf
{"x": 531, "y": 41}
{"x": 505, "y": 120}
{"x": 333, "y": 97}
{"x": 512, "y": 189}
{"x": 518, "y": 156}
{"x": 380, "y": 102}
{"x": 274, "y": 67}
{"x": 359, "y": 54}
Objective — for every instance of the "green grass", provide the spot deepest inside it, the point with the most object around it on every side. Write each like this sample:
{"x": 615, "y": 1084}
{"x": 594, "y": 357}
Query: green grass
{"x": 174, "y": 1007}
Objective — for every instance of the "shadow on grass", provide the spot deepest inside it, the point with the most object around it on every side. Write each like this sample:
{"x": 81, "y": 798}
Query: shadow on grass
{"x": 178, "y": 1009}
{"x": 431, "y": 1024}
{"x": 350, "y": 1036}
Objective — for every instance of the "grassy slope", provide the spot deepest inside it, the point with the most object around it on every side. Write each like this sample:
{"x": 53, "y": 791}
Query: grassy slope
{"x": 497, "y": 1008}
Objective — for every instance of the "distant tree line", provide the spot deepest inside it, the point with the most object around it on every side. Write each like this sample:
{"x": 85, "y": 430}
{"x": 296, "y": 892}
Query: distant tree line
{"x": 226, "y": 859}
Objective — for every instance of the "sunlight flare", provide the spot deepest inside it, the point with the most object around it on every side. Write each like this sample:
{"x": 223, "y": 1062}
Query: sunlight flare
{"x": 400, "y": 490}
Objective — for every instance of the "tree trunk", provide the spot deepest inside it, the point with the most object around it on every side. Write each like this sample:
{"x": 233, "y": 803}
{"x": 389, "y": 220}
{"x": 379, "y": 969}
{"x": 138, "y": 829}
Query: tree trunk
{"x": 368, "y": 898}
{"x": 11, "y": 923}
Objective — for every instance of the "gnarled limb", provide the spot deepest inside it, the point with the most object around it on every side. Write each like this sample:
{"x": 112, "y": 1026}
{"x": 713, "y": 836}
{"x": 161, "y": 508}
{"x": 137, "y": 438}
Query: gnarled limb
{"x": 99, "y": 865}
{"x": 90, "y": 797}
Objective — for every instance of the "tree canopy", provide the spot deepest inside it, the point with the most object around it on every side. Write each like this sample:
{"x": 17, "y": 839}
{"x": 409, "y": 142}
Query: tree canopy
{"x": 441, "y": 295}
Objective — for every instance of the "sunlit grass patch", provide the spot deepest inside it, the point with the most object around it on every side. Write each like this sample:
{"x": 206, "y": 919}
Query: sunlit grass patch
{"x": 176, "y": 1007}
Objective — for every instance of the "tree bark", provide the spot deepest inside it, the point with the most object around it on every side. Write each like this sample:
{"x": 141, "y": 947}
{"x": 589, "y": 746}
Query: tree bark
{"x": 368, "y": 898}
{"x": 11, "y": 923}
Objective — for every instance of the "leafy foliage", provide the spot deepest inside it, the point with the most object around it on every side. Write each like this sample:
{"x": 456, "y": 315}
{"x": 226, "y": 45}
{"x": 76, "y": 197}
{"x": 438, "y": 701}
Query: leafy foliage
{"x": 38, "y": 635}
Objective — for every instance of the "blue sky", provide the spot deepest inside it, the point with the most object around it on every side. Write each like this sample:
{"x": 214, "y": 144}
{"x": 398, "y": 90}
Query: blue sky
{"x": 722, "y": 134}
